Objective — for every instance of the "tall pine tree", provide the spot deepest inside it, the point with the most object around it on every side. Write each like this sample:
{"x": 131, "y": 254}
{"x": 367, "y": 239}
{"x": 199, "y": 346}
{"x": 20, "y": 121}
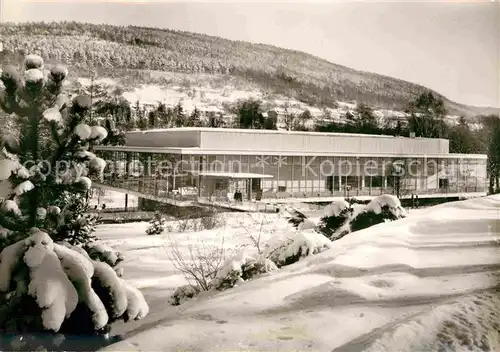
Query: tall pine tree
{"x": 48, "y": 282}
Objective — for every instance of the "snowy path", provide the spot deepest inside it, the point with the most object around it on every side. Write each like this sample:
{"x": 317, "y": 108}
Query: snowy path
{"x": 403, "y": 286}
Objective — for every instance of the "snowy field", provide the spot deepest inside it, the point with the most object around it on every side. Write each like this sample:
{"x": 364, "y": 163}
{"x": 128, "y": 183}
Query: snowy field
{"x": 424, "y": 283}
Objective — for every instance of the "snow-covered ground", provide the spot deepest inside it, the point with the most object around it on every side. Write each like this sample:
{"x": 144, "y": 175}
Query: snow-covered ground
{"x": 423, "y": 283}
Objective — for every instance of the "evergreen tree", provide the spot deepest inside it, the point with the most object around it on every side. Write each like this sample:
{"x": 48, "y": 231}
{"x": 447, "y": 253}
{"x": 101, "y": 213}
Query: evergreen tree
{"x": 152, "y": 120}
{"x": 179, "y": 118}
{"x": 366, "y": 121}
{"x": 139, "y": 119}
{"x": 194, "y": 120}
{"x": 427, "y": 114}
{"x": 295, "y": 122}
{"x": 118, "y": 109}
{"x": 250, "y": 115}
{"x": 48, "y": 282}
{"x": 493, "y": 166}
{"x": 350, "y": 118}
{"x": 463, "y": 140}
{"x": 142, "y": 124}
{"x": 217, "y": 121}
{"x": 289, "y": 120}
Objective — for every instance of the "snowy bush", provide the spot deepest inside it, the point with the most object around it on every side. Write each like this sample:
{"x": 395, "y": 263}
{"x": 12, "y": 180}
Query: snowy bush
{"x": 102, "y": 253}
{"x": 183, "y": 294}
{"x": 206, "y": 269}
{"x": 48, "y": 281}
{"x": 196, "y": 223}
{"x": 201, "y": 265}
{"x": 345, "y": 216}
{"x": 215, "y": 268}
{"x": 381, "y": 209}
{"x": 51, "y": 287}
{"x": 241, "y": 267}
{"x": 297, "y": 245}
{"x": 256, "y": 228}
{"x": 156, "y": 225}
{"x": 334, "y": 222}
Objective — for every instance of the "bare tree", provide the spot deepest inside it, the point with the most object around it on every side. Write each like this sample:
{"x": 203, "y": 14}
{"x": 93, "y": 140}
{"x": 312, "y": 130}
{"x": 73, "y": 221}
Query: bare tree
{"x": 256, "y": 238}
{"x": 201, "y": 264}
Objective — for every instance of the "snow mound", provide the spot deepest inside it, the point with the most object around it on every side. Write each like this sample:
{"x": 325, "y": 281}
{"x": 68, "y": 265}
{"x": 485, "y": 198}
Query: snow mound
{"x": 83, "y": 131}
{"x": 33, "y": 76}
{"x": 53, "y": 115}
{"x": 49, "y": 285}
{"x": 467, "y": 324}
{"x": 66, "y": 284}
{"x": 386, "y": 200}
{"x": 98, "y": 165}
{"x": 33, "y": 61}
{"x": 335, "y": 208}
{"x": 296, "y": 218}
{"x": 103, "y": 253}
{"x": 183, "y": 294}
{"x": 24, "y": 187}
{"x": 10, "y": 206}
{"x": 85, "y": 182}
{"x": 296, "y": 247}
{"x": 7, "y": 168}
{"x": 243, "y": 266}
{"x": 368, "y": 286}
{"x": 99, "y": 133}
{"x": 137, "y": 308}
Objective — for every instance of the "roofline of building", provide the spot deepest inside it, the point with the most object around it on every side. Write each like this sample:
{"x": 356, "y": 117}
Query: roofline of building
{"x": 250, "y": 131}
{"x": 202, "y": 151}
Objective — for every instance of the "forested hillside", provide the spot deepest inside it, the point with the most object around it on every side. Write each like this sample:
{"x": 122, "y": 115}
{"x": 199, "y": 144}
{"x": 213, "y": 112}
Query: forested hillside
{"x": 118, "y": 50}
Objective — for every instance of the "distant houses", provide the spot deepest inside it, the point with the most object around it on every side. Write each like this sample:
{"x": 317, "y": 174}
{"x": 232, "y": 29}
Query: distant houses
{"x": 207, "y": 112}
{"x": 280, "y": 114}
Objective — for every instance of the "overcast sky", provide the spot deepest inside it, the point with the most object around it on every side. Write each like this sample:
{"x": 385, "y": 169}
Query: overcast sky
{"x": 452, "y": 47}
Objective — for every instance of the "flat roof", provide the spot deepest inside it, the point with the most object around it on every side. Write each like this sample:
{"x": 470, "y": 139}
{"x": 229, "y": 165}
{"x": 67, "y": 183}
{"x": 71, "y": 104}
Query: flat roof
{"x": 279, "y": 132}
{"x": 286, "y": 142}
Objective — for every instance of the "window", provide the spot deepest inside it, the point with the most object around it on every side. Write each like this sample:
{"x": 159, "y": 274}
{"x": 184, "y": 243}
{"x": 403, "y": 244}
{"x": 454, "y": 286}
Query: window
{"x": 329, "y": 183}
{"x": 256, "y": 184}
{"x": 377, "y": 181}
{"x": 443, "y": 183}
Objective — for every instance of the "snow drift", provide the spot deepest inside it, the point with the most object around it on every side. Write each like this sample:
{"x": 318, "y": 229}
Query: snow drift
{"x": 341, "y": 217}
{"x": 420, "y": 282}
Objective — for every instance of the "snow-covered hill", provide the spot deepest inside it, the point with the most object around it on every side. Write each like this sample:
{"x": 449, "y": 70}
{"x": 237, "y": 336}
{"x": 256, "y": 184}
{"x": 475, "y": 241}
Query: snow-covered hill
{"x": 418, "y": 284}
{"x": 134, "y": 54}
{"x": 211, "y": 97}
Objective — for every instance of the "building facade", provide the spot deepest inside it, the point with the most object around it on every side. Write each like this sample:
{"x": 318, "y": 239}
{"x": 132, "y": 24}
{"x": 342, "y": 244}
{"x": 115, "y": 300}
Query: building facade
{"x": 193, "y": 164}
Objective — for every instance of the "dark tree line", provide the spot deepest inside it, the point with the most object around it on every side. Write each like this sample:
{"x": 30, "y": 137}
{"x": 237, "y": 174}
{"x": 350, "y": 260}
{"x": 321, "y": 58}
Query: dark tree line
{"x": 164, "y": 117}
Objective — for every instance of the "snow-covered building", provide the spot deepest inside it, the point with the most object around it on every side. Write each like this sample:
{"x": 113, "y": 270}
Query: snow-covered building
{"x": 194, "y": 164}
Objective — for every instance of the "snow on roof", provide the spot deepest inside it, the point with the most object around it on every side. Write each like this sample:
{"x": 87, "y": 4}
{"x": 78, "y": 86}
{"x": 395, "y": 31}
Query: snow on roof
{"x": 249, "y": 131}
